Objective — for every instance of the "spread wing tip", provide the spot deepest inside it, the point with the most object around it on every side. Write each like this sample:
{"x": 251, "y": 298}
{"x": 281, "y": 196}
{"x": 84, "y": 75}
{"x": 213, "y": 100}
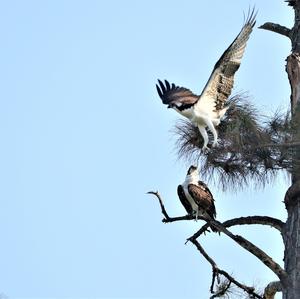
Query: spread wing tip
{"x": 172, "y": 93}
{"x": 250, "y": 19}
{"x": 162, "y": 88}
{"x": 159, "y": 91}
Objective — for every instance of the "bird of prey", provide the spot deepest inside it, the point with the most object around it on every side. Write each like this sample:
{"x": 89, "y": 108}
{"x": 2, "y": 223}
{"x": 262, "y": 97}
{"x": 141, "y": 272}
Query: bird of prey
{"x": 195, "y": 196}
{"x": 207, "y": 109}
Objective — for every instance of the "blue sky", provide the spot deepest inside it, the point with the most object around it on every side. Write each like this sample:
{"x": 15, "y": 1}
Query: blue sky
{"x": 85, "y": 136}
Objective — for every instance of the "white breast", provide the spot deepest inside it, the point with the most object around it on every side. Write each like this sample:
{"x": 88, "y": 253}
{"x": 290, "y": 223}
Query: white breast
{"x": 189, "y": 197}
{"x": 188, "y": 113}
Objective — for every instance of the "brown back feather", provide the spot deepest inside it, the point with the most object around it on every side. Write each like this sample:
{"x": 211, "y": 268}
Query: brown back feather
{"x": 175, "y": 94}
{"x": 203, "y": 198}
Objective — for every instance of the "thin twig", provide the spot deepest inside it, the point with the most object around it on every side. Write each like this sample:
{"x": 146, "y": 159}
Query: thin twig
{"x": 163, "y": 210}
{"x": 222, "y": 292}
{"x": 167, "y": 218}
{"x": 213, "y": 279}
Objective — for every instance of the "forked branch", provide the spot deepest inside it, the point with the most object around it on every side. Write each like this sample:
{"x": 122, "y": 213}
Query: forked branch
{"x": 260, "y": 254}
{"x": 250, "y": 247}
{"x": 167, "y": 218}
{"x": 250, "y": 220}
{"x": 216, "y": 272}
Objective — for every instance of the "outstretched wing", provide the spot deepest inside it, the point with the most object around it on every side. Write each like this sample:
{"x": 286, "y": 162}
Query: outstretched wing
{"x": 172, "y": 94}
{"x": 184, "y": 200}
{"x": 203, "y": 198}
{"x": 220, "y": 83}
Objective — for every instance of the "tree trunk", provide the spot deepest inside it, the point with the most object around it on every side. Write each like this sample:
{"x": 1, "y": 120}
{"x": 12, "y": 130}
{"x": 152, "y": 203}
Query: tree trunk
{"x": 291, "y": 232}
{"x": 291, "y": 237}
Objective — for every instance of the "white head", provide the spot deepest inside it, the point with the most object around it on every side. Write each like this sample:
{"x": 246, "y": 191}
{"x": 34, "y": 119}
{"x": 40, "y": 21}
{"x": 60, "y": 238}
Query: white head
{"x": 192, "y": 175}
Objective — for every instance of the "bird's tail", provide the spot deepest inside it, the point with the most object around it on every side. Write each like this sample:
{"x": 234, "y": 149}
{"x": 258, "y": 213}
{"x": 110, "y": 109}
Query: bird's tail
{"x": 212, "y": 226}
{"x": 214, "y": 229}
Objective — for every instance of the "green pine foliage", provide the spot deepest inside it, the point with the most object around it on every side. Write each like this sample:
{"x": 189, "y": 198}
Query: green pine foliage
{"x": 251, "y": 148}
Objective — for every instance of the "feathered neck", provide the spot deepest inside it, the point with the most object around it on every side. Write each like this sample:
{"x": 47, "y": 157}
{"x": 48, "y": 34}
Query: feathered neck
{"x": 192, "y": 178}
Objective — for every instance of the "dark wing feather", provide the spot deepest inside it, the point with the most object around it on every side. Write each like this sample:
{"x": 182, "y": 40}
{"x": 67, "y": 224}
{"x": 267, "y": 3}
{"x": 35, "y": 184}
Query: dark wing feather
{"x": 184, "y": 200}
{"x": 203, "y": 198}
{"x": 221, "y": 80}
{"x": 175, "y": 95}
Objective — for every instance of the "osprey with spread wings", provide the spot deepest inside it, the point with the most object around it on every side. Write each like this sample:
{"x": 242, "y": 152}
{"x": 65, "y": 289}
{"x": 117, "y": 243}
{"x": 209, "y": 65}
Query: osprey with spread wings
{"x": 207, "y": 109}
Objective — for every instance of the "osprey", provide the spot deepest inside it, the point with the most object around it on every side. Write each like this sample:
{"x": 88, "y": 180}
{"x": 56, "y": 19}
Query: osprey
{"x": 195, "y": 195}
{"x": 207, "y": 109}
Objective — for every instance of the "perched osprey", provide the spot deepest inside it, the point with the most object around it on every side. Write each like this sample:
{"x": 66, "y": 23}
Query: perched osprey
{"x": 195, "y": 195}
{"x": 207, "y": 109}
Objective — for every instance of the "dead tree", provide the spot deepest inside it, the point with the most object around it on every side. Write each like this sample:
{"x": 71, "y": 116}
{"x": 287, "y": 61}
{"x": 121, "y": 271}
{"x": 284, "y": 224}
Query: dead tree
{"x": 291, "y": 232}
{"x": 252, "y": 148}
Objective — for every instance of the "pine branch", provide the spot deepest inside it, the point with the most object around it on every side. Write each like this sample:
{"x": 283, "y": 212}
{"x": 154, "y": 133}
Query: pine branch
{"x": 251, "y": 147}
{"x": 291, "y": 2}
{"x": 260, "y": 254}
{"x": 224, "y": 288}
{"x": 277, "y": 29}
{"x": 216, "y": 271}
{"x": 263, "y": 220}
{"x": 250, "y": 247}
{"x": 167, "y": 218}
{"x": 163, "y": 210}
{"x": 250, "y": 220}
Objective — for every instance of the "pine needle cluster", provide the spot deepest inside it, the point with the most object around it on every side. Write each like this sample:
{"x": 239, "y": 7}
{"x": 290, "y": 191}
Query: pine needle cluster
{"x": 251, "y": 147}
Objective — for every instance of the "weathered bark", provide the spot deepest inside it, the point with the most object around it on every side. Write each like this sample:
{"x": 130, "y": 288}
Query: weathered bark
{"x": 291, "y": 237}
{"x": 293, "y": 70}
{"x": 291, "y": 230}
{"x": 271, "y": 289}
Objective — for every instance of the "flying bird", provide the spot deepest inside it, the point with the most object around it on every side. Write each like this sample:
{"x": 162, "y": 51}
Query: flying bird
{"x": 207, "y": 109}
{"x": 195, "y": 196}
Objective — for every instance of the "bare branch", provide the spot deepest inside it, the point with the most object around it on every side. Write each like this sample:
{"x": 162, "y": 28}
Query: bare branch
{"x": 291, "y": 2}
{"x": 216, "y": 271}
{"x": 271, "y": 289}
{"x": 276, "y": 28}
{"x": 163, "y": 210}
{"x": 263, "y": 220}
{"x": 223, "y": 290}
{"x": 167, "y": 218}
{"x": 260, "y": 254}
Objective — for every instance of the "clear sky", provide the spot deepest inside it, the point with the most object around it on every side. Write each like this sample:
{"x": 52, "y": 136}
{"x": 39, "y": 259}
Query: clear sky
{"x": 84, "y": 136}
